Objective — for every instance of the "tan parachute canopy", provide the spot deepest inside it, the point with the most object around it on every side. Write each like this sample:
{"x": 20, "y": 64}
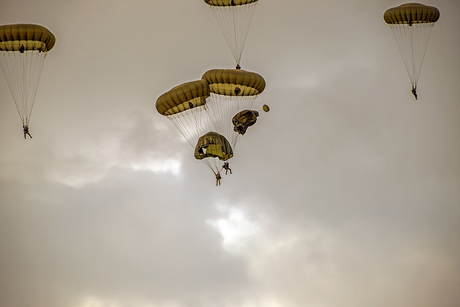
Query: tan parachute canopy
{"x": 183, "y": 97}
{"x": 184, "y": 106}
{"x": 213, "y": 145}
{"x": 243, "y": 120}
{"x": 234, "y": 82}
{"x": 228, "y": 2}
{"x": 232, "y": 90}
{"x": 26, "y": 36}
{"x": 411, "y": 13}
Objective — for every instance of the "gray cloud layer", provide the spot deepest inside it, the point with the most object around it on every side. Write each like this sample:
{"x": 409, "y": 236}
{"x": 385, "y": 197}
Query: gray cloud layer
{"x": 345, "y": 194}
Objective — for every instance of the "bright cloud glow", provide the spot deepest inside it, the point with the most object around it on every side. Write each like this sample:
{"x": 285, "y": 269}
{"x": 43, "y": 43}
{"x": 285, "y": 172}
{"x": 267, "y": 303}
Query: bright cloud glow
{"x": 236, "y": 229}
{"x": 159, "y": 166}
{"x": 95, "y": 302}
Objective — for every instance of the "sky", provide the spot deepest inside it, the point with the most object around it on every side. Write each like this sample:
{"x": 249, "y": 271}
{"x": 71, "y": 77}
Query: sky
{"x": 345, "y": 194}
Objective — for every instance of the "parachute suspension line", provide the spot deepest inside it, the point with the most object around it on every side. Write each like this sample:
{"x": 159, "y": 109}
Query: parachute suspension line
{"x": 192, "y": 124}
{"x": 7, "y": 62}
{"x": 214, "y": 164}
{"x": 222, "y": 108}
{"x": 22, "y": 72}
{"x": 235, "y": 139}
{"x": 235, "y": 21}
{"x": 37, "y": 59}
{"x": 412, "y": 42}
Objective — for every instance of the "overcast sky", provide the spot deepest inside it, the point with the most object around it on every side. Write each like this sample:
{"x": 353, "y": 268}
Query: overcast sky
{"x": 346, "y": 194}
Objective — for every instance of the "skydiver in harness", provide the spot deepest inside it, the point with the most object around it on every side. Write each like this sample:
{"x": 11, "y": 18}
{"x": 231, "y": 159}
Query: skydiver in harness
{"x": 414, "y": 91}
{"x": 218, "y": 178}
{"x": 227, "y": 168}
{"x": 25, "y": 128}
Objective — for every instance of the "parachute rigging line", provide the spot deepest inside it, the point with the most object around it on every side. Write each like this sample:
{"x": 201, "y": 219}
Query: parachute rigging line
{"x": 235, "y": 21}
{"x": 412, "y": 42}
{"x": 22, "y": 71}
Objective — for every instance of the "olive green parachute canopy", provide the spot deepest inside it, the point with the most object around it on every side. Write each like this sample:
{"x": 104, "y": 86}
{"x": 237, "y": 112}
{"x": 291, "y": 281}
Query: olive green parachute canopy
{"x": 266, "y": 108}
{"x": 213, "y": 145}
{"x": 25, "y": 37}
{"x": 234, "y": 82}
{"x": 183, "y": 97}
{"x": 228, "y": 2}
{"x": 232, "y": 90}
{"x": 243, "y": 120}
{"x": 411, "y": 13}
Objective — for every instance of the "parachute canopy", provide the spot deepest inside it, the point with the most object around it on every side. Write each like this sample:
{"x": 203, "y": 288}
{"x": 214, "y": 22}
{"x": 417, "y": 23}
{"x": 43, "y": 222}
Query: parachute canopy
{"x": 266, "y": 108}
{"x": 411, "y": 13}
{"x": 232, "y": 90}
{"x": 183, "y": 97}
{"x": 23, "y": 50}
{"x": 243, "y": 120}
{"x": 184, "y": 106}
{"x": 226, "y": 81}
{"x": 228, "y": 2}
{"x": 213, "y": 145}
{"x": 411, "y": 24}
{"x": 25, "y": 37}
{"x": 234, "y": 18}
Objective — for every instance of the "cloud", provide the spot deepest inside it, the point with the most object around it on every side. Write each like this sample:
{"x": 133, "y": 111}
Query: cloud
{"x": 344, "y": 194}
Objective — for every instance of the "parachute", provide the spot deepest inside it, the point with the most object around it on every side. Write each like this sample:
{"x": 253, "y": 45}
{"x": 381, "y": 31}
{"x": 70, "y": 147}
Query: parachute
{"x": 412, "y": 24}
{"x": 266, "y": 108}
{"x": 23, "y": 50}
{"x": 231, "y": 91}
{"x": 243, "y": 120}
{"x": 234, "y": 18}
{"x": 211, "y": 149}
{"x": 184, "y": 105}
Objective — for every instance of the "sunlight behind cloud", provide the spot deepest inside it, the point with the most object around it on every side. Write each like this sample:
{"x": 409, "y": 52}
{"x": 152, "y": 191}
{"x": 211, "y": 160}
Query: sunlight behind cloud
{"x": 95, "y": 302}
{"x": 159, "y": 166}
{"x": 236, "y": 229}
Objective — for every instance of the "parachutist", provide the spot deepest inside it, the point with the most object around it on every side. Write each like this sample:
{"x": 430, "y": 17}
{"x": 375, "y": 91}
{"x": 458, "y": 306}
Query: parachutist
{"x": 227, "y": 168}
{"x": 218, "y": 178}
{"x": 25, "y": 128}
{"x": 238, "y": 66}
{"x": 414, "y": 92}
{"x": 412, "y": 29}
{"x": 23, "y": 76}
